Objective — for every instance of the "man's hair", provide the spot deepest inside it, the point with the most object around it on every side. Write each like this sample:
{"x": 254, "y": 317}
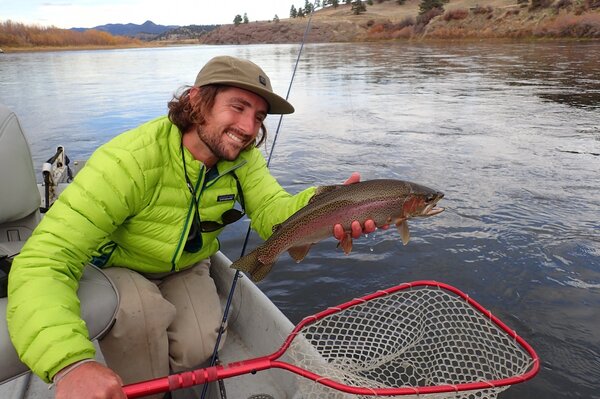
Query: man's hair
{"x": 184, "y": 114}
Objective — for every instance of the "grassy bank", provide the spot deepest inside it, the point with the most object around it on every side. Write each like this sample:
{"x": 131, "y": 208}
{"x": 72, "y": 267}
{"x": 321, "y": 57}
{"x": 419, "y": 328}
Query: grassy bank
{"x": 384, "y": 20}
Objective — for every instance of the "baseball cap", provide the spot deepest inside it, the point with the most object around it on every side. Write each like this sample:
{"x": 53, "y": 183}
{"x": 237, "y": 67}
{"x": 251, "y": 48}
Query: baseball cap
{"x": 246, "y": 75}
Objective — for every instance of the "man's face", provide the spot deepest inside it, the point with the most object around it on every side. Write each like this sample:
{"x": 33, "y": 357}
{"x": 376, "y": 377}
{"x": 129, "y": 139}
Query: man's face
{"x": 233, "y": 123}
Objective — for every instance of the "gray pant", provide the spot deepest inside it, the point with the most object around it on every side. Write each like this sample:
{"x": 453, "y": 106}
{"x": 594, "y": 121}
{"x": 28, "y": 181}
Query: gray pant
{"x": 167, "y": 323}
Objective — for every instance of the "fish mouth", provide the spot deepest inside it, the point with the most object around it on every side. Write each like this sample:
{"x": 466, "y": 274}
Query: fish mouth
{"x": 432, "y": 210}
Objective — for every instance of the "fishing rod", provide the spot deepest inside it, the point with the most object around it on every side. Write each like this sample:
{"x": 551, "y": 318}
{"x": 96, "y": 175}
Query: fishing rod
{"x": 236, "y": 277}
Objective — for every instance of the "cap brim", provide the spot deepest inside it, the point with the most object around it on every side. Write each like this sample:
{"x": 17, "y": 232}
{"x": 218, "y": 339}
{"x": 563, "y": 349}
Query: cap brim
{"x": 277, "y": 104}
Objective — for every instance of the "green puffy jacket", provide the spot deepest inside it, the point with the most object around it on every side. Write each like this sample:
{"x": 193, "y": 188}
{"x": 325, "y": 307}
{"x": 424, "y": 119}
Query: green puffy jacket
{"x": 129, "y": 206}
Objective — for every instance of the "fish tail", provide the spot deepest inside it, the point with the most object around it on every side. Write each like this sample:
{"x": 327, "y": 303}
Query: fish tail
{"x": 250, "y": 264}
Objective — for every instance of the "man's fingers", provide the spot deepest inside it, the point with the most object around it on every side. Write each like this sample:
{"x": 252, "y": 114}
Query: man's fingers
{"x": 369, "y": 227}
{"x": 354, "y": 178}
{"x": 338, "y": 232}
{"x": 356, "y": 229}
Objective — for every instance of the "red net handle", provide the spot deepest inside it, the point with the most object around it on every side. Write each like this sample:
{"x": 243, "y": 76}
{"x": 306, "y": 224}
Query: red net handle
{"x": 196, "y": 377}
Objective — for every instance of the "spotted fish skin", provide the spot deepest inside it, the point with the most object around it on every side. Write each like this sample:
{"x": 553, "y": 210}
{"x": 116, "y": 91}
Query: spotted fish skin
{"x": 385, "y": 201}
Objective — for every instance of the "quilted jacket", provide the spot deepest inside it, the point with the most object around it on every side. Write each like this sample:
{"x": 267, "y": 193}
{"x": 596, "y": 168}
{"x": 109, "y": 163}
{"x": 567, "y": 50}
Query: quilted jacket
{"x": 130, "y": 207}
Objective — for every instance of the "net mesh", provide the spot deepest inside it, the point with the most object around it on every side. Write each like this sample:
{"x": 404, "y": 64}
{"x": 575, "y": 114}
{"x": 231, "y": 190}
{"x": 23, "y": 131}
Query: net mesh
{"x": 419, "y": 337}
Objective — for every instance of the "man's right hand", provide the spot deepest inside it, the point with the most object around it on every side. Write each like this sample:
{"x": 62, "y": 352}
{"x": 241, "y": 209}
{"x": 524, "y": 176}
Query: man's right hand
{"x": 91, "y": 380}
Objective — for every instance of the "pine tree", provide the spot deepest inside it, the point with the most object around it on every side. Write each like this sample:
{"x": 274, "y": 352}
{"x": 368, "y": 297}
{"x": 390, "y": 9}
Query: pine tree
{"x": 427, "y": 5}
{"x": 246, "y": 20}
{"x": 358, "y": 6}
{"x": 308, "y": 7}
{"x": 293, "y": 12}
{"x": 237, "y": 20}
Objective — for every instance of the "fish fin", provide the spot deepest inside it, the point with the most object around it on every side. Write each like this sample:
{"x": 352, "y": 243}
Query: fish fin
{"x": 322, "y": 190}
{"x": 276, "y": 227}
{"x": 298, "y": 253}
{"x": 346, "y": 243}
{"x": 403, "y": 230}
{"x": 251, "y": 264}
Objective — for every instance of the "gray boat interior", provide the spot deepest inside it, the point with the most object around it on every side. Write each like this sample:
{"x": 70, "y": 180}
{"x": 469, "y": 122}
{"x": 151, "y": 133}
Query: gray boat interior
{"x": 19, "y": 214}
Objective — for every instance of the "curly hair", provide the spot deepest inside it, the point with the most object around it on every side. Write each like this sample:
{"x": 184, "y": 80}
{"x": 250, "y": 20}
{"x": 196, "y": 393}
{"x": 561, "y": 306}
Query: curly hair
{"x": 184, "y": 113}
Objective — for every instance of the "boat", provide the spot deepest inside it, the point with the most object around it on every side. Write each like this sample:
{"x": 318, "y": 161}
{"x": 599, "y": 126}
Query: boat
{"x": 360, "y": 347}
{"x": 256, "y": 327}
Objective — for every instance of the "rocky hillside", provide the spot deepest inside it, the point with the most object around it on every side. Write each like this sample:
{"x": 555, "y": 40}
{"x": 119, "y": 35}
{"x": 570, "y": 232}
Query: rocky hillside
{"x": 460, "y": 19}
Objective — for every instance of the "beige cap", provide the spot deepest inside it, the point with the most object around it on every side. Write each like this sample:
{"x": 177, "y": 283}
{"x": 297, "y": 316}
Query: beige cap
{"x": 246, "y": 75}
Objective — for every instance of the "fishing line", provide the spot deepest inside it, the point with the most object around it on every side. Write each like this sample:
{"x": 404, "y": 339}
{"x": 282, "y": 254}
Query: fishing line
{"x": 215, "y": 355}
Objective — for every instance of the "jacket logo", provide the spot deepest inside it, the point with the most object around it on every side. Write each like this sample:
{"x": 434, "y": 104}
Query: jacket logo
{"x": 227, "y": 197}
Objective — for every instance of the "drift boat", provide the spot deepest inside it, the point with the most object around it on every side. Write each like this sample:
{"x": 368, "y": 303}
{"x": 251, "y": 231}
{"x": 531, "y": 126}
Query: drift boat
{"x": 423, "y": 339}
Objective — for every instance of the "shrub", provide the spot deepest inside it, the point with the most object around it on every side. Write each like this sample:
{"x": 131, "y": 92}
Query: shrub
{"x": 581, "y": 26}
{"x": 535, "y": 4}
{"x": 482, "y": 10}
{"x": 563, "y": 4}
{"x": 456, "y": 15}
{"x": 423, "y": 19}
{"x": 408, "y": 21}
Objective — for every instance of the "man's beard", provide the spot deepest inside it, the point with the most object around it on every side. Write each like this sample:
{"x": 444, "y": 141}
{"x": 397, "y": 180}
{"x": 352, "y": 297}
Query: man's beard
{"x": 216, "y": 145}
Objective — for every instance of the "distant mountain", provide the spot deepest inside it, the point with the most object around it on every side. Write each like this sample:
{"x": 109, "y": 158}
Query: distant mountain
{"x": 146, "y": 31}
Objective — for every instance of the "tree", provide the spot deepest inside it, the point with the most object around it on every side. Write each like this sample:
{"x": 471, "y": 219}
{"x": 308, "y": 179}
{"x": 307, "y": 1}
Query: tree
{"x": 308, "y": 7}
{"x": 358, "y": 6}
{"x": 246, "y": 20}
{"x": 276, "y": 18}
{"x": 427, "y": 5}
{"x": 293, "y": 12}
{"x": 237, "y": 20}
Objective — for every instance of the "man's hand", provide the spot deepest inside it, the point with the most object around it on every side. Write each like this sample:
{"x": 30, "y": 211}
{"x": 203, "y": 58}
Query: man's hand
{"x": 357, "y": 229}
{"x": 90, "y": 380}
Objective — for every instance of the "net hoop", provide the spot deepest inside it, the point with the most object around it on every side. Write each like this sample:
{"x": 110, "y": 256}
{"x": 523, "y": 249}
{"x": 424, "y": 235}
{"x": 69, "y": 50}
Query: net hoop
{"x": 533, "y": 369}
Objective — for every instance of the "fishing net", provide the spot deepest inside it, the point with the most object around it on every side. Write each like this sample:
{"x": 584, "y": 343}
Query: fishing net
{"x": 423, "y": 340}
{"x": 426, "y": 337}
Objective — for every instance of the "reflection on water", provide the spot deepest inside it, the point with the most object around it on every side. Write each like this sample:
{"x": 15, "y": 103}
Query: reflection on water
{"x": 508, "y": 131}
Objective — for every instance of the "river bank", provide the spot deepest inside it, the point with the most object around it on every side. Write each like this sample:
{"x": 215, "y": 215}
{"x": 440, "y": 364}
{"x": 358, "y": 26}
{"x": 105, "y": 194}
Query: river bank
{"x": 460, "y": 20}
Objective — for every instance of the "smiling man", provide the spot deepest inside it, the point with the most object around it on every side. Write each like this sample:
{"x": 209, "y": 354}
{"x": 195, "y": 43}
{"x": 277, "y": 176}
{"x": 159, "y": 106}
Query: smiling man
{"x": 147, "y": 208}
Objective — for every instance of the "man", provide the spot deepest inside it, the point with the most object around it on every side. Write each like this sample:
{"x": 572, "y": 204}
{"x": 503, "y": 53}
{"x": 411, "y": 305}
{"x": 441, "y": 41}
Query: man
{"x": 147, "y": 208}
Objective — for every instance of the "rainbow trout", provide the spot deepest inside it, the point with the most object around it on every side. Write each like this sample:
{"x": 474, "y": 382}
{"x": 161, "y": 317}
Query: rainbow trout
{"x": 384, "y": 201}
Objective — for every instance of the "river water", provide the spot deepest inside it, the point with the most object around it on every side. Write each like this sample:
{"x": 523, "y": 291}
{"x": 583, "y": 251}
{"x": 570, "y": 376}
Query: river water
{"x": 510, "y": 132}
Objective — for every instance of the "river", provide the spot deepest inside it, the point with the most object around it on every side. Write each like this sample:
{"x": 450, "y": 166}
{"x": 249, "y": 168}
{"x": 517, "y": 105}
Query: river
{"x": 509, "y": 131}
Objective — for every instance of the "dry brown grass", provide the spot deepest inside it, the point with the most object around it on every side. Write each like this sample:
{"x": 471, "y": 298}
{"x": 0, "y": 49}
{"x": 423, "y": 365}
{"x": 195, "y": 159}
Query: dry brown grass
{"x": 20, "y": 36}
{"x": 463, "y": 19}
{"x": 577, "y": 26}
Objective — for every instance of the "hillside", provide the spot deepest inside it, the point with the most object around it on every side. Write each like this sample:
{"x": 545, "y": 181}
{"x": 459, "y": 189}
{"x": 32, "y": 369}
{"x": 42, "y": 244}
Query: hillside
{"x": 384, "y": 20}
{"x": 459, "y": 19}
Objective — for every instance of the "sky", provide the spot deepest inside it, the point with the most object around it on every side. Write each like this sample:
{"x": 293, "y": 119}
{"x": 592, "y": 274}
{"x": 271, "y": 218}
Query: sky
{"x": 89, "y": 13}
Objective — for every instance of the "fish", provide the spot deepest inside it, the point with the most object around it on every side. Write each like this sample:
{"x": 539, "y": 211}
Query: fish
{"x": 385, "y": 201}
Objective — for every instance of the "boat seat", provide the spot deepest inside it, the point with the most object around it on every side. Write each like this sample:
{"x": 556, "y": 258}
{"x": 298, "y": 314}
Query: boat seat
{"x": 19, "y": 214}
